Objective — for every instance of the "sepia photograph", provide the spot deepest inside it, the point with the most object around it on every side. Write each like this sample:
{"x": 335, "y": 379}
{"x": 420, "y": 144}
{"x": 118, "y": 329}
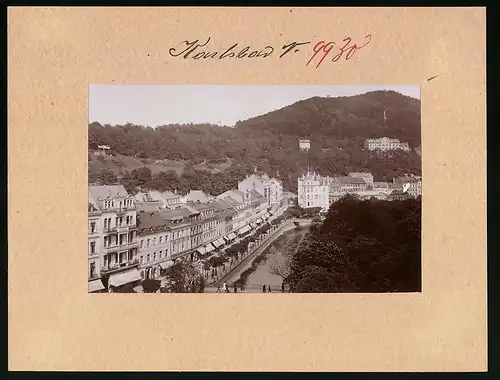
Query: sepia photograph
{"x": 237, "y": 189}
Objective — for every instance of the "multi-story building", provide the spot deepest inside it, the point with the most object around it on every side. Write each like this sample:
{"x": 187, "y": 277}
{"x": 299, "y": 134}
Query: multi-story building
{"x": 173, "y": 199}
{"x": 347, "y": 184}
{"x": 368, "y": 177}
{"x": 161, "y": 200}
{"x": 154, "y": 244}
{"x": 180, "y": 226}
{"x": 117, "y": 230}
{"x": 380, "y": 186}
{"x": 94, "y": 265}
{"x": 313, "y": 190}
{"x": 414, "y": 184}
{"x": 386, "y": 144}
{"x": 270, "y": 188}
{"x": 305, "y": 145}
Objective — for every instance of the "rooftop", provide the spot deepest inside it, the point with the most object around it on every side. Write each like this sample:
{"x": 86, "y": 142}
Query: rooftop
{"x": 348, "y": 180}
{"x": 148, "y": 220}
{"x": 108, "y": 192}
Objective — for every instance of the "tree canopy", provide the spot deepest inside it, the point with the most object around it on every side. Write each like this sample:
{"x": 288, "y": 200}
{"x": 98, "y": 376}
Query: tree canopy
{"x": 336, "y": 127}
{"x": 362, "y": 246}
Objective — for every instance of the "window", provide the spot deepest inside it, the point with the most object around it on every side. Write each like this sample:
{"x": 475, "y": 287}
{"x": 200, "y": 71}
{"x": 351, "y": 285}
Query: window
{"x": 161, "y": 254}
{"x": 92, "y": 270}
{"x": 116, "y": 220}
{"x": 154, "y": 256}
{"x": 92, "y": 247}
{"x": 147, "y": 245}
{"x": 92, "y": 227}
{"x": 141, "y": 259}
{"x": 142, "y": 243}
{"x": 105, "y": 223}
{"x": 154, "y": 241}
{"x": 161, "y": 238}
{"x": 149, "y": 258}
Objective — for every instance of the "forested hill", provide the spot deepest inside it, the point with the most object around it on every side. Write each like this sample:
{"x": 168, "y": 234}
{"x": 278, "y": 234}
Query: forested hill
{"x": 337, "y": 128}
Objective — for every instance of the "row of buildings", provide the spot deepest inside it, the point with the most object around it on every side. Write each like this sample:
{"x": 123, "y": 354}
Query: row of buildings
{"x": 314, "y": 190}
{"x": 135, "y": 237}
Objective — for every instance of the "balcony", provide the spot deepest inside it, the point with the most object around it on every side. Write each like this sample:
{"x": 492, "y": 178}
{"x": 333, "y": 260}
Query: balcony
{"x": 94, "y": 276}
{"x": 120, "y": 247}
{"x": 117, "y": 267}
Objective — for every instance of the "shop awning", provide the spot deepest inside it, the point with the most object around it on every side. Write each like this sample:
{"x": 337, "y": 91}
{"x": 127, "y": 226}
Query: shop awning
{"x": 209, "y": 248}
{"x": 123, "y": 278}
{"x": 201, "y": 250}
{"x": 267, "y": 215}
{"x": 95, "y": 286}
{"x": 216, "y": 243}
{"x": 259, "y": 220}
{"x": 232, "y": 236}
{"x": 244, "y": 229}
{"x": 253, "y": 225}
{"x": 166, "y": 264}
{"x": 221, "y": 241}
{"x": 226, "y": 238}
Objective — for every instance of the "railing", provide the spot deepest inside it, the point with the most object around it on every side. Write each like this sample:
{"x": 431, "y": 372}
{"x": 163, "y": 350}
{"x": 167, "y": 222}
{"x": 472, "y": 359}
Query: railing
{"x": 118, "y": 266}
{"x": 121, "y": 247}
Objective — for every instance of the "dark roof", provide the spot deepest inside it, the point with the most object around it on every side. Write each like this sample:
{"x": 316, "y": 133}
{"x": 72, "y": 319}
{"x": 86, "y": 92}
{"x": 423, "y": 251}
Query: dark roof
{"x": 148, "y": 220}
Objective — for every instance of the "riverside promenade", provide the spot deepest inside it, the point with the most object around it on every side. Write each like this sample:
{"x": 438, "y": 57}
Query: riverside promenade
{"x": 233, "y": 272}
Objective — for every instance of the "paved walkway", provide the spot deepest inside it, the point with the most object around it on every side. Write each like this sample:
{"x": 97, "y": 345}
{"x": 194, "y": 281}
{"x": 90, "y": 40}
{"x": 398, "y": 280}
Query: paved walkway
{"x": 233, "y": 274}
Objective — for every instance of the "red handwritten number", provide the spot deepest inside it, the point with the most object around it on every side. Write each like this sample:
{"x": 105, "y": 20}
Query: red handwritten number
{"x": 346, "y": 48}
{"x": 321, "y": 46}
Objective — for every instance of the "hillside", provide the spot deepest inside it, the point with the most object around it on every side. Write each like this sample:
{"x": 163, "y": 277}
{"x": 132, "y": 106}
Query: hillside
{"x": 337, "y": 128}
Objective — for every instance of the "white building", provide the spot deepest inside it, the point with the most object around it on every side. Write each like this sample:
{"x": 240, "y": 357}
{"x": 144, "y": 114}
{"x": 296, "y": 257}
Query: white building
{"x": 313, "y": 190}
{"x": 305, "y": 145}
{"x": 114, "y": 246}
{"x": 386, "y": 144}
{"x": 270, "y": 188}
{"x": 163, "y": 200}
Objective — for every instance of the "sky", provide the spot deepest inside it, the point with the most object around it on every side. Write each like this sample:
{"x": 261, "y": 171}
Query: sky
{"x": 154, "y": 105}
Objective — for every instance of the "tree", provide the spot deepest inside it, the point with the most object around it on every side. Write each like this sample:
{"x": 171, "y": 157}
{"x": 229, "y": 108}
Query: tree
{"x": 338, "y": 127}
{"x": 151, "y": 285}
{"x": 367, "y": 246}
{"x": 182, "y": 277}
{"x": 107, "y": 177}
{"x": 281, "y": 265}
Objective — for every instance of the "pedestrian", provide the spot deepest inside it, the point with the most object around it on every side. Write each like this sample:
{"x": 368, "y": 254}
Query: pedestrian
{"x": 224, "y": 286}
{"x": 269, "y": 288}
{"x": 282, "y": 287}
{"x": 235, "y": 289}
{"x": 263, "y": 288}
{"x": 218, "y": 288}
